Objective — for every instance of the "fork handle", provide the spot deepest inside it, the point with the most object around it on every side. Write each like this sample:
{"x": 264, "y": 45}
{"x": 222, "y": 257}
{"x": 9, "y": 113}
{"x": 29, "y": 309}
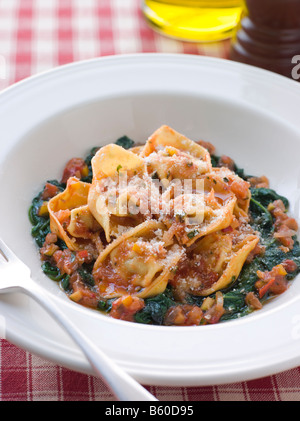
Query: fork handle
{"x": 123, "y": 386}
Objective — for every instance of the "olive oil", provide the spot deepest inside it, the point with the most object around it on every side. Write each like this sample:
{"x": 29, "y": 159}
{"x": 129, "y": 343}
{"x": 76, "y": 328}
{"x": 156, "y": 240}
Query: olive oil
{"x": 194, "y": 20}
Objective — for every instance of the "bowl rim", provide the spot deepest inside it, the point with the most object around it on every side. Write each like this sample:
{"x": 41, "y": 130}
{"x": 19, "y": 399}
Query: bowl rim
{"x": 141, "y": 371}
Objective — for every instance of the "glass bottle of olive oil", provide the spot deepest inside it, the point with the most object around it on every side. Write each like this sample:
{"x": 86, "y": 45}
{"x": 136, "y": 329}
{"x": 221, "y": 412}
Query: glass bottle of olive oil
{"x": 194, "y": 20}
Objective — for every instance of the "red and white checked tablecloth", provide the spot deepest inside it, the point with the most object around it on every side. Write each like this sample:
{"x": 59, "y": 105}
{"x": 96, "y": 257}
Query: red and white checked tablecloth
{"x": 36, "y": 35}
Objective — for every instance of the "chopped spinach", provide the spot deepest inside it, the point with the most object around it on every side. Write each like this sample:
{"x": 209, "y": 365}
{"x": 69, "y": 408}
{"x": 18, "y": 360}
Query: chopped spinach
{"x": 105, "y": 305}
{"x": 215, "y": 162}
{"x": 261, "y": 220}
{"x": 266, "y": 196}
{"x": 51, "y": 271}
{"x": 65, "y": 282}
{"x": 33, "y": 211}
{"x": 156, "y": 308}
{"x": 275, "y": 255}
{"x": 192, "y": 234}
{"x": 234, "y": 300}
{"x": 40, "y": 231}
{"x": 125, "y": 142}
{"x": 234, "y": 295}
{"x": 88, "y": 161}
{"x": 41, "y": 223}
{"x": 61, "y": 186}
{"x": 101, "y": 305}
{"x": 86, "y": 275}
{"x": 90, "y": 156}
{"x": 241, "y": 173}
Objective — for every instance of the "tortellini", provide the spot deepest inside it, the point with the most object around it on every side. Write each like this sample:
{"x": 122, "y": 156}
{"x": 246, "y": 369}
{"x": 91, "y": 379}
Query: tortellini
{"x": 70, "y": 216}
{"x": 225, "y": 182}
{"x": 206, "y": 215}
{"x": 121, "y": 190}
{"x": 137, "y": 263}
{"x": 163, "y": 215}
{"x": 215, "y": 262}
{"x": 171, "y": 155}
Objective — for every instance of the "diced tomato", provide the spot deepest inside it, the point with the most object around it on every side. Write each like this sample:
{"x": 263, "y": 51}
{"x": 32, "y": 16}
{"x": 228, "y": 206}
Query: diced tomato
{"x": 76, "y": 167}
{"x": 285, "y": 236}
{"x": 258, "y": 250}
{"x": 252, "y": 301}
{"x": 65, "y": 261}
{"x": 81, "y": 293}
{"x": 259, "y": 182}
{"x": 207, "y": 145}
{"x": 226, "y": 161}
{"x": 273, "y": 281}
{"x": 240, "y": 188}
{"x": 183, "y": 315}
{"x": 227, "y": 229}
{"x": 51, "y": 238}
{"x": 83, "y": 256}
{"x": 279, "y": 286}
{"x": 124, "y": 308}
{"x": 265, "y": 288}
{"x": 214, "y": 313}
{"x": 64, "y": 217}
{"x": 285, "y": 227}
{"x": 50, "y": 190}
{"x": 289, "y": 265}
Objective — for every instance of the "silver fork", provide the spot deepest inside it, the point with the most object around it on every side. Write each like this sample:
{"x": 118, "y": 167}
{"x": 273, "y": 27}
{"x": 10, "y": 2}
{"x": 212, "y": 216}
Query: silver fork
{"x": 15, "y": 276}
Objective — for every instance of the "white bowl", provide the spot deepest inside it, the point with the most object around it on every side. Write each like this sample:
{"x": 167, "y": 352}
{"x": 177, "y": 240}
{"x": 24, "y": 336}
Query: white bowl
{"x": 249, "y": 114}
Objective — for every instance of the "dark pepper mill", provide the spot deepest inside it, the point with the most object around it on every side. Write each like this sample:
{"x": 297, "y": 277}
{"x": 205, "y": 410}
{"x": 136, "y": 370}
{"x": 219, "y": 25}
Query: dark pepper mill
{"x": 269, "y": 36}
